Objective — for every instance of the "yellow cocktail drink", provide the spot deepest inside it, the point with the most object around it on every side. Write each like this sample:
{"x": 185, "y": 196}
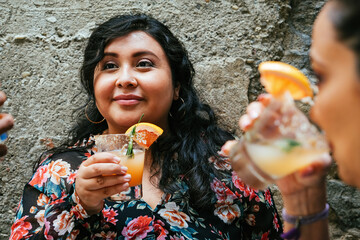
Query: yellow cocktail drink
{"x": 278, "y": 163}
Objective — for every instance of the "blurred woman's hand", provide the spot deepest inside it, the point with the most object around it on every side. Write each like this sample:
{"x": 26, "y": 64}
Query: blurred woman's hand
{"x": 6, "y": 123}
{"x": 294, "y": 186}
{"x": 99, "y": 177}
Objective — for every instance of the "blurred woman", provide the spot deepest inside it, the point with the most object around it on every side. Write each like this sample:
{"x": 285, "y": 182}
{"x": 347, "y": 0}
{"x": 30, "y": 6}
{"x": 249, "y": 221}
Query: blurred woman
{"x": 335, "y": 59}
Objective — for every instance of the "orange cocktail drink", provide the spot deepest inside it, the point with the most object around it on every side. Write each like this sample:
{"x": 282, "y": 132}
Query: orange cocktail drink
{"x": 135, "y": 164}
{"x": 118, "y": 144}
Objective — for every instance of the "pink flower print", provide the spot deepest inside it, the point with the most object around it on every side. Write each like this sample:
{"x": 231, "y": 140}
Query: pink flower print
{"x": 256, "y": 208}
{"x": 246, "y": 190}
{"x": 63, "y": 223}
{"x": 46, "y": 232}
{"x": 106, "y": 235}
{"x": 40, "y": 218}
{"x": 265, "y": 236}
{"x": 238, "y": 182}
{"x": 227, "y": 213}
{"x": 109, "y": 215}
{"x": 33, "y": 209}
{"x": 137, "y": 228}
{"x": 276, "y": 222}
{"x": 220, "y": 163}
{"x": 223, "y": 193}
{"x": 250, "y": 219}
{"x": 41, "y": 176}
{"x": 79, "y": 212}
{"x": 58, "y": 169}
{"x": 20, "y": 229}
{"x": 71, "y": 177}
{"x": 268, "y": 197}
{"x": 73, "y": 235}
{"x": 42, "y": 200}
{"x": 160, "y": 230}
{"x": 173, "y": 216}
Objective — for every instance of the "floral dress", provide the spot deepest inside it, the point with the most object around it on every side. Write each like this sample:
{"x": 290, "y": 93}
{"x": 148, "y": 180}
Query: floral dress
{"x": 49, "y": 209}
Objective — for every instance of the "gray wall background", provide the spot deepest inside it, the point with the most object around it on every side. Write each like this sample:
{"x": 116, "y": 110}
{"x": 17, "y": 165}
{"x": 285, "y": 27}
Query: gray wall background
{"x": 41, "y": 44}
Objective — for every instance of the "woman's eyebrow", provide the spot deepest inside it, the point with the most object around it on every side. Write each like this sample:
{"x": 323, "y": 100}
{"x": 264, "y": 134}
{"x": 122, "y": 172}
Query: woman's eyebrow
{"x": 112, "y": 54}
{"x": 141, "y": 53}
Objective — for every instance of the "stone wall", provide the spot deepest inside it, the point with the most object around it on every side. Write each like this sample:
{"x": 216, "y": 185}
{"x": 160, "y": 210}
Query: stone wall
{"x": 41, "y": 44}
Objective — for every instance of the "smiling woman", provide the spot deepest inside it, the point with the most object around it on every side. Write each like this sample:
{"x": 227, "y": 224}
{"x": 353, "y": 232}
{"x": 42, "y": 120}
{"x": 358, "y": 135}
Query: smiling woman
{"x": 134, "y": 65}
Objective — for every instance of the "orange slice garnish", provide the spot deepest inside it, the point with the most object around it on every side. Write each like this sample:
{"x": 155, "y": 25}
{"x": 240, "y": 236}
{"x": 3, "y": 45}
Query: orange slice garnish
{"x": 279, "y": 77}
{"x": 145, "y": 133}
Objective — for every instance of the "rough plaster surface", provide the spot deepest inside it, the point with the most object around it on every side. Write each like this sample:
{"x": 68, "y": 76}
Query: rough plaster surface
{"x": 41, "y": 44}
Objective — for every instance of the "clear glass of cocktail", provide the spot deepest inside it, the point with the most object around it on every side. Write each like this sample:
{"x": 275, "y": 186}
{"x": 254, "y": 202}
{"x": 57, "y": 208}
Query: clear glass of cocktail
{"x": 281, "y": 139}
{"x": 118, "y": 144}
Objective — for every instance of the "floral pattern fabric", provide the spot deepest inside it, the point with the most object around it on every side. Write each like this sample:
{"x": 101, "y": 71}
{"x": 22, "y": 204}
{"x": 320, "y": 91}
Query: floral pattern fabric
{"x": 49, "y": 209}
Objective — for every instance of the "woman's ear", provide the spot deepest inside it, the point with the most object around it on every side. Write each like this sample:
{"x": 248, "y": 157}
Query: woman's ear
{"x": 176, "y": 92}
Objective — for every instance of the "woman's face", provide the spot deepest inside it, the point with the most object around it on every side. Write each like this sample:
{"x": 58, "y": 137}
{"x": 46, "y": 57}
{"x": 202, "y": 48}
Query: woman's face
{"x": 337, "y": 106}
{"x": 132, "y": 79}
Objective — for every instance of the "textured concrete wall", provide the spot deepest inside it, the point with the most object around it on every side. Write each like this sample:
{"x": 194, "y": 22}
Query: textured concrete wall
{"x": 41, "y": 44}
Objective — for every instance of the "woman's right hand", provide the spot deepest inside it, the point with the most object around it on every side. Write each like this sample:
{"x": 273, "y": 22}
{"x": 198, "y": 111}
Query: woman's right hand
{"x": 99, "y": 177}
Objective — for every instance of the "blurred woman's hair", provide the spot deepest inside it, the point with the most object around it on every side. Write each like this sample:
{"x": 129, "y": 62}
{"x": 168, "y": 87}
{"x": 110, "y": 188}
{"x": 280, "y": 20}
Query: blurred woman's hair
{"x": 346, "y": 20}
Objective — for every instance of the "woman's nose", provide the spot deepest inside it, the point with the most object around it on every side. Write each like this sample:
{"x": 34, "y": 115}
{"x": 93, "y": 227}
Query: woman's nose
{"x": 126, "y": 79}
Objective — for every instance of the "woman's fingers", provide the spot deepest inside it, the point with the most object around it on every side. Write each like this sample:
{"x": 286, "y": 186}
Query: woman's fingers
{"x": 253, "y": 112}
{"x": 101, "y": 164}
{"x": 103, "y": 169}
{"x": 240, "y": 163}
{"x": 6, "y": 122}
{"x": 100, "y": 182}
{"x": 316, "y": 171}
{"x": 103, "y": 157}
{"x": 226, "y": 148}
{"x": 2, "y": 98}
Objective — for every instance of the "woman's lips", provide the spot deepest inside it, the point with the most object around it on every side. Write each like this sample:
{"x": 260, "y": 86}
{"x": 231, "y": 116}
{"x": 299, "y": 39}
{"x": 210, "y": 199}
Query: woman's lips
{"x": 128, "y": 99}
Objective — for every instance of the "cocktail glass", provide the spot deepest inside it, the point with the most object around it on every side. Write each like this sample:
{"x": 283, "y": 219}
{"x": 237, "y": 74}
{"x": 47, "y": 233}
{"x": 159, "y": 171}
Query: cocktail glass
{"x": 281, "y": 141}
{"x": 117, "y": 144}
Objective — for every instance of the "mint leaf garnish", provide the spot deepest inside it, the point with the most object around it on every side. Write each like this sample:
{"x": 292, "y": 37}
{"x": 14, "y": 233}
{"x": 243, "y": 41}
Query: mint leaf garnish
{"x": 130, "y": 151}
{"x": 287, "y": 145}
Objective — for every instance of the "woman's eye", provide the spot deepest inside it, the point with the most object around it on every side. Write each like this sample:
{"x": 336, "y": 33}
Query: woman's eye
{"x": 145, "y": 64}
{"x": 109, "y": 66}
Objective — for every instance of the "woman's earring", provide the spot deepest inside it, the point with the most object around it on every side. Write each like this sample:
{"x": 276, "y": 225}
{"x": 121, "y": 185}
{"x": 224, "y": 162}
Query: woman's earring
{"x": 87, "y": 117}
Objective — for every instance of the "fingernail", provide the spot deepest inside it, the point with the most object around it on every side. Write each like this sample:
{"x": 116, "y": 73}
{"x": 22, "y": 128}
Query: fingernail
{"x": 307, "y": 171}
{"x": 117, "y": 160}
{"x": 127, "y": 177}
{"x": 253, "y": 114}
{"x": 124, "y": 168}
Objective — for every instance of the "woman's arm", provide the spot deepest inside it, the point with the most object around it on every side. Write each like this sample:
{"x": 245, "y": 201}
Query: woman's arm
{"x": 304, "y": 196}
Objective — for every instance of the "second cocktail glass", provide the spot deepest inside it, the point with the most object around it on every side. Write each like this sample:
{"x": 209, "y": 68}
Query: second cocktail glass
{"x": 281, "y": 139}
